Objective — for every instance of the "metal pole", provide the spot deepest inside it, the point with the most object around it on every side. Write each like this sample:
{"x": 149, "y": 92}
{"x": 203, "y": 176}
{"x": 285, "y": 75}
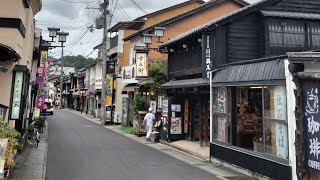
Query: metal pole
{"x": 61, "y": 76}
{"x": 104, "y": 6}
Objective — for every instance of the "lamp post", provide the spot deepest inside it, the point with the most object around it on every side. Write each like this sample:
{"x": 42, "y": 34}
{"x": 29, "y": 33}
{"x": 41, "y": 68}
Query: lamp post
{"x": 54, "y": 32}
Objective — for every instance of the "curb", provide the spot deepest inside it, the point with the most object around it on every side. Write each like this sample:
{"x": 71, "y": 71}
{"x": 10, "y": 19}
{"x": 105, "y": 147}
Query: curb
{"x": 44, "y": 174}
{"x": 184, "y": 150}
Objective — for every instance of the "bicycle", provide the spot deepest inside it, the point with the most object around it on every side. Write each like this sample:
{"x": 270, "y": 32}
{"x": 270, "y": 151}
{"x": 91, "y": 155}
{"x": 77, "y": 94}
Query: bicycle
{"x": 33, "y": 135}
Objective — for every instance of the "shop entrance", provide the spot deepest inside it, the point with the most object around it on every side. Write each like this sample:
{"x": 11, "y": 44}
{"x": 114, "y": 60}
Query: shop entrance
{"x": 194, "y": 122}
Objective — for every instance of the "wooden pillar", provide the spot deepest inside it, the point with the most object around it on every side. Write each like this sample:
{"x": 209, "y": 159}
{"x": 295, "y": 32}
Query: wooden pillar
{"x": 201, "y": 119}
{"x": 206, "y": 119}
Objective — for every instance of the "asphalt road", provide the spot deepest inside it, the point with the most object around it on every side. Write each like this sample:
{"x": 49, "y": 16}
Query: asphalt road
{"x": 82, "y": 150}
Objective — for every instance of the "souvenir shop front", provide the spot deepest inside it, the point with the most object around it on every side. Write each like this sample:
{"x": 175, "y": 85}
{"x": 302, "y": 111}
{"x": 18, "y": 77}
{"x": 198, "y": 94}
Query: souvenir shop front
{"x": 249, "y": 118}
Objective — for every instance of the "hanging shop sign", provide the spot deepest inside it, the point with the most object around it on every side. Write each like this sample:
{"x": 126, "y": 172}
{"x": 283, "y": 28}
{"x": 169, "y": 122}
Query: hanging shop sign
{"x": 40, "y": 101}
{"x": 17, "y": 96}
{"x": 36, "y": 113}
{"x": 142, "y": 65}
{"x": 109, "y": 80}
{"x": 207, "y": 54}
{"x": 310, "y": 106}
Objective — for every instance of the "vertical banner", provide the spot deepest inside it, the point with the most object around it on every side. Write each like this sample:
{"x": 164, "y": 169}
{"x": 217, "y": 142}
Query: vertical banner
{"x": 280, "y": 111}
{"x": 109, "y": 78}
{"x": 142, "y": 64}
{"x": 207, "y": 54}
{"x": 17, "y": 96}
{"x": 310, "y": 105}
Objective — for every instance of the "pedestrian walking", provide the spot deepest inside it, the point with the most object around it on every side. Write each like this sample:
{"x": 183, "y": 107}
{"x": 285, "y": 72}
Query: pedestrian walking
{"x": 148, "y": 122}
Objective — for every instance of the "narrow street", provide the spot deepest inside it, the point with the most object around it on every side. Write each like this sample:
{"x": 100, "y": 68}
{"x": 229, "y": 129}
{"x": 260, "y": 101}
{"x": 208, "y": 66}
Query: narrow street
{"x": 81, "y": 150}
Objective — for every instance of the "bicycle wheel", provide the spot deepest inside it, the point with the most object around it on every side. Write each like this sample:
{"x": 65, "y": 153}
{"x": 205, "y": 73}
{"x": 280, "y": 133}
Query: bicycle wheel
{"x": 31, "y": 138}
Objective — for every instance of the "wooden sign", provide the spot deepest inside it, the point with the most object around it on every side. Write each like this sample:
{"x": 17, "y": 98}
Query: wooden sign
{"x": 186, "y": 115}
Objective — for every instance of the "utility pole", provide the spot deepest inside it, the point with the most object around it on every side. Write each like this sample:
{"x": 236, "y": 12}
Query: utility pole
{"x": 61, "y": 76}
{"x": 105, "y": 11}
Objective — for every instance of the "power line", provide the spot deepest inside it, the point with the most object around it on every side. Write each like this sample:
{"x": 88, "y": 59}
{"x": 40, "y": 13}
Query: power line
{"x": 135, "y": 3}
{"x": 122, "y": 11}
{"x": 68, "y": 1}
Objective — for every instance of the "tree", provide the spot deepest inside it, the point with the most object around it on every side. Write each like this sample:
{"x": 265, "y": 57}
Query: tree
{"x": 158, "y": 72}
{"x": 78, "y": 62}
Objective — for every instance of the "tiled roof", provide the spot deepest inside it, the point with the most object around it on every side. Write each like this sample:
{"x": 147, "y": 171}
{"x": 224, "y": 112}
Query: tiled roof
{"x": 254, "y": 72}
{"x": 285, "y": 14}
{"x": 185, "y": 83}
{"x": 184, "y": 15}
{"x": 222, "y": 20}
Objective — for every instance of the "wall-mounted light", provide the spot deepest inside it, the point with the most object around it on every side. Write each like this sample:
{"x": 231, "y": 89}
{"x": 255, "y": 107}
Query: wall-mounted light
{"x": 200, "y": 40}
{"x": 172, "y": 50}
{"x": 147, "y": 39}
{"x": 185, "y": 46}
{"x": 53, "y": 32}
{"x": 159, "y": 32}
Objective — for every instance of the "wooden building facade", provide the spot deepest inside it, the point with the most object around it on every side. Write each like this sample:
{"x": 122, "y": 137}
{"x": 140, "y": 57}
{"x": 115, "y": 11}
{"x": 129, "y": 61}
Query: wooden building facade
{"x": 245, "y": 53}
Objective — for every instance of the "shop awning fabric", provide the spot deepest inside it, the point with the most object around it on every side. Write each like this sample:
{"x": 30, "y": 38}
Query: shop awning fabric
{"x": 261, "y": 73}
{"x": 7, "y": 53}
{"x": 185, "y": 83}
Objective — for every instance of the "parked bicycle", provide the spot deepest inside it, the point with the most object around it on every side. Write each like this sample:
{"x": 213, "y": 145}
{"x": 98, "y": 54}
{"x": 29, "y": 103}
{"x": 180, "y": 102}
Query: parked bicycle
{"x": 33, "y": 135}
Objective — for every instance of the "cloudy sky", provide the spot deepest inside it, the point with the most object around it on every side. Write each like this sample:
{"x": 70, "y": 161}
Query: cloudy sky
{"x": 75, "y": 16}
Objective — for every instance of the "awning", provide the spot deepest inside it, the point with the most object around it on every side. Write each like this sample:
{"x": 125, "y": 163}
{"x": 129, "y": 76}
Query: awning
{"x": 261, "y": 73}
{"x": 186, "y": 83}
{"x": 7, "y": 53}
{"x": 129, "y": 88}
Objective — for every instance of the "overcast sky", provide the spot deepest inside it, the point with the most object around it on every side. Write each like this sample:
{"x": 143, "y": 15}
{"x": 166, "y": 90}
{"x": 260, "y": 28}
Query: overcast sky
{"x": 74, "y": 17}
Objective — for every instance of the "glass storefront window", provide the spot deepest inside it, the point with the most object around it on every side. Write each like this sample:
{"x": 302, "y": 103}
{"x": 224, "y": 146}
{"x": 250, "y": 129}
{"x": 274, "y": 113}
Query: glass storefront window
{"x": 260, "y": 118}
{"x": 275, "y": 121}
{"x": 221, "y": 114}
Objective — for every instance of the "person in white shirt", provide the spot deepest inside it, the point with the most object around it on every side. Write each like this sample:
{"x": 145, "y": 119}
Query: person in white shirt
{"x": 148, "y": 122}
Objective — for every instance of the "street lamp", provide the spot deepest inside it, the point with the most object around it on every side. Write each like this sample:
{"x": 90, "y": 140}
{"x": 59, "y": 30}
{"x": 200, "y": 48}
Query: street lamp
{"x": 62, "y": 39}
{"x": 53, "y": 32}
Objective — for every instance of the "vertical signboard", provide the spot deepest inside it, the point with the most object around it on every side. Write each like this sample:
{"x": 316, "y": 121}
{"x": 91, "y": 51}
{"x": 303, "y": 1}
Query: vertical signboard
{"x": 280, "y": 111}
{"x": 109, "y": 92}
{"x": 186, "y": 115}
{"x": 207, "y": 54}
{"x": 310, "y": 106}
{"x": 142, "y": 64}
{"x": 17, "y": 96}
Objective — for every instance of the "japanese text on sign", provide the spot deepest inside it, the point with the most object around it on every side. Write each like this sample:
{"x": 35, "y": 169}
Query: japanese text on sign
{"x": 142, "y": 65}
{"x": 313, "y": 126}
{"x": 280, "y": 111}
{"x": 17, "y": 92}
{"x": 208, "y": 56}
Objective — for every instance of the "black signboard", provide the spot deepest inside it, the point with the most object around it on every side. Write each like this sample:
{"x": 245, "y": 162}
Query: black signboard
{"x": 311, "y": 120}
{"x": 207, "y": 54}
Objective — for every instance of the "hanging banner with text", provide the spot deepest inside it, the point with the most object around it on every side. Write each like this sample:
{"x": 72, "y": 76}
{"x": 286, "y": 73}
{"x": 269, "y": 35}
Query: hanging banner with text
{"x": 142, "y": 64}
{"x": 207, "y": 54}
{"x": 310, "y": 106}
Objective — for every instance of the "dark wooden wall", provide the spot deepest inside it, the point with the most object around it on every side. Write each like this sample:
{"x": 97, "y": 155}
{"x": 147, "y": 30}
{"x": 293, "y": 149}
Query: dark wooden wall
{"x": 185, "y": 62}
{"x": 244, "y": 38}
{"x": 310, "y": 6}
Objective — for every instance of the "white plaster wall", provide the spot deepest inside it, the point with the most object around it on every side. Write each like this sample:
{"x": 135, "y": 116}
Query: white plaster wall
{"x": 291, "y": 104}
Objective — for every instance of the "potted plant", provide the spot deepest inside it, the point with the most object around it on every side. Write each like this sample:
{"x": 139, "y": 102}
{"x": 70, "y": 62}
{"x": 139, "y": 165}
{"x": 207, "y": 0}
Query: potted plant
{"x": 139, "y": 107}
{"x": 9, "y": 138}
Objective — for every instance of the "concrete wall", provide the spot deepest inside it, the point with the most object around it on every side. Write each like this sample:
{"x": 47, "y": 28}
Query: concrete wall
{"x": 13, "y": 38}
